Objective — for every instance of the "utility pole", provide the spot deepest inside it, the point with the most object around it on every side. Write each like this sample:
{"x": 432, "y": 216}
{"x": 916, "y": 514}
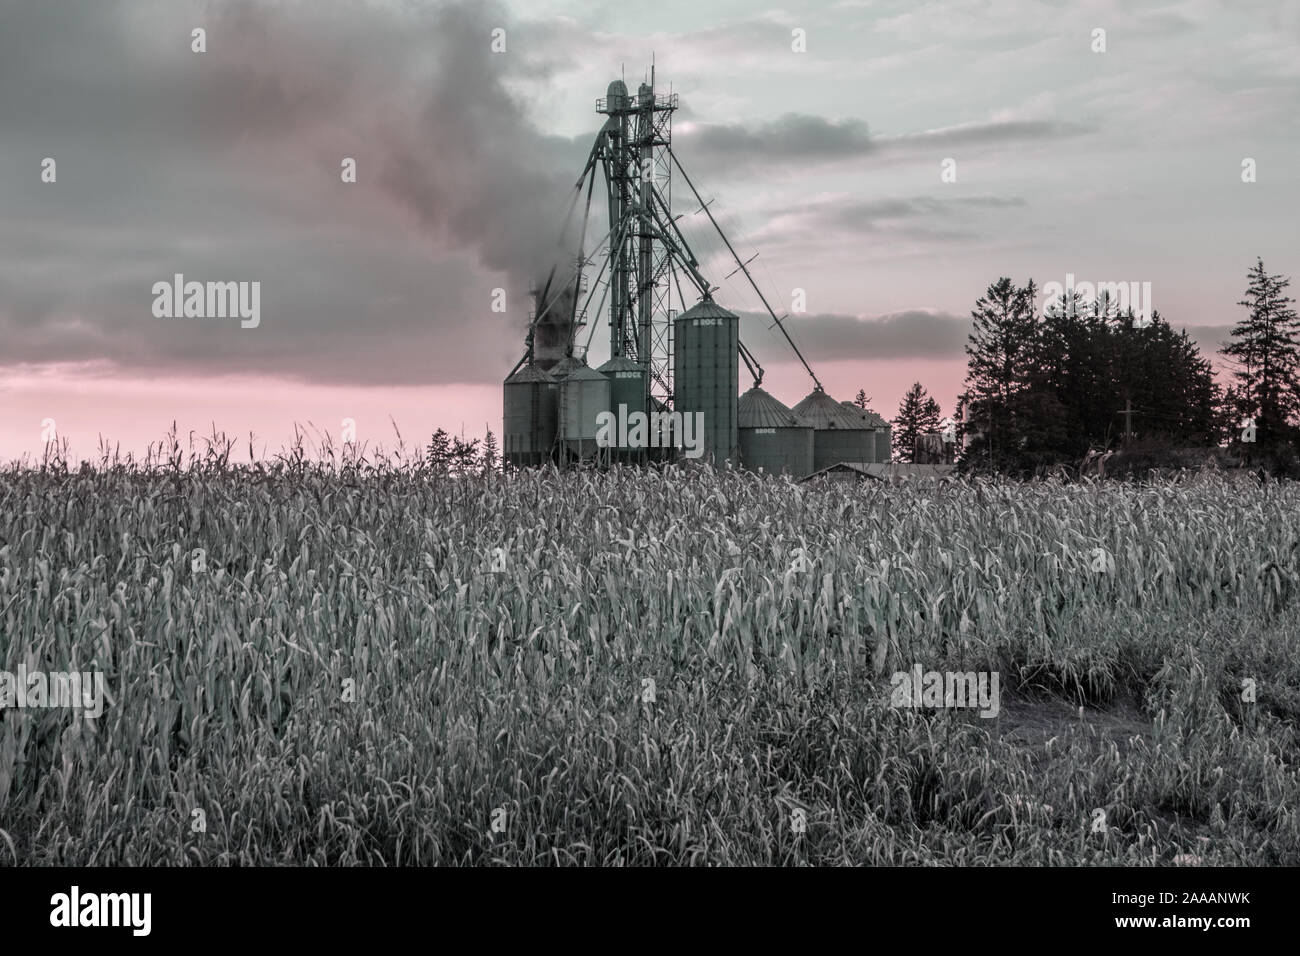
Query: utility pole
{"x": 1128, "y": 412}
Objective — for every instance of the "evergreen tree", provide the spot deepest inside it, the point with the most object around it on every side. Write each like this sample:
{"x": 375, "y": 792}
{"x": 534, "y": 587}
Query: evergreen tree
{"x": 1041, "y": 391}
{"x": 918, "y": 414}
{"x": 1044, "y": 434}
{"x": 1172, "y": 387}
{"x": 438, "y": 454}
{"x": 999, "y": 373}
{"x": 489, "y": 452}
{"x": 862, "y": 399}
{"x": 464, "y": 456}
{"x": 1265, "y": 350}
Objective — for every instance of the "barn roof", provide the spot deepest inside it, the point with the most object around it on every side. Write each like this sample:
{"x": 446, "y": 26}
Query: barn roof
{"x": 758, "y": 409}
{"x": 880, "y": 471}
{"x": 822, "y": 411}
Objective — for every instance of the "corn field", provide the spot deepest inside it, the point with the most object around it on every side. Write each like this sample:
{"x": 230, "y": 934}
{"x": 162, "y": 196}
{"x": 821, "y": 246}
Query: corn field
{"x": 366, "y": 665}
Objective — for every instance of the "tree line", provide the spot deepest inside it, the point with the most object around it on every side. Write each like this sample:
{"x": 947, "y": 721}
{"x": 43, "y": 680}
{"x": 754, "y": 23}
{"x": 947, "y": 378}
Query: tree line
{"x": 1048, "y": 385}
{"x": 452, "y": 456}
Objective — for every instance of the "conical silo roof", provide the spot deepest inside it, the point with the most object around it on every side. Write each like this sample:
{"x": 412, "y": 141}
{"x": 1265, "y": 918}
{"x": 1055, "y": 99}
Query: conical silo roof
{"x": 582, "y": 372}
{"x": 620, "y": 363}
{"x": 758, "y": 409}
{"x": 822, "y": 411}
{"x": 530, "y": 373}
{"x": 707, "y": 309}
{"x": 561, "y": 369}
{"x": 871, "y": 419}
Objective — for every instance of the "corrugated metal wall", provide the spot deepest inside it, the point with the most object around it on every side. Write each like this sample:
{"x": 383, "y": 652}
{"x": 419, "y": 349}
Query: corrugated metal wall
{"x": 772, "y": 438}
{"x": 531, "y": 417}
{"x": 706, "y": 374}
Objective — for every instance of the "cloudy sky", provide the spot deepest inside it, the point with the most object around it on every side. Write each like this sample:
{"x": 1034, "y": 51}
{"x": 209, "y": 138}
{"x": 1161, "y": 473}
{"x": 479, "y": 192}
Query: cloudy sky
{"x": 224, "y": 165}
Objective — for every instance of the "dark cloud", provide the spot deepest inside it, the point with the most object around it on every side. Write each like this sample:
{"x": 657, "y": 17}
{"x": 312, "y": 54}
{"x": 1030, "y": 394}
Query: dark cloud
{"x": 225, "y": 165}
{"x": 868, "y": 214}
{"x": 1208, "y": 337}
{"x": 792, "y": 137}
{"x": 911, "y": 334}
{"x": 844, "y": 218}
{"x": 800, "y": 138}
{"x": 914, "y": 334}
{"x": 984, "y": 134}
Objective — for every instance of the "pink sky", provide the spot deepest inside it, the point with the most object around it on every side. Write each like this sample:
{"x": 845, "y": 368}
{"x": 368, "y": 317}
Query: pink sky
{"x": 134, "y": 412}
{"x": 1117, "y": 166}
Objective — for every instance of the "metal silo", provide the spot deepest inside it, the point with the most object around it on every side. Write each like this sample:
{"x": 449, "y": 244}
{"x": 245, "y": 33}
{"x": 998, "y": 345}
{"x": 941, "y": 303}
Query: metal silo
{"x": 839, "y": 435}
{"x": 584, "y": 394}
{"x": 772, "y": 437}
{"x": 706, "y": 375}
{"x": 627, "y": 395}
{"x": 878, "y": 426}
{"x": 531, "y": 417}
{"x": 564, "y": 366}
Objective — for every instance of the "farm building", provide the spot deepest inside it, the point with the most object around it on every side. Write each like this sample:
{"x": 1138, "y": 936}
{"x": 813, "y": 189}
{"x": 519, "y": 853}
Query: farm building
{"x": 773, "y": 439}
{"x": 931, "y": 449}
{"x": 838, "y": 434}
{"x": 675, "y": 354}
{"x": 881, "y": 427}
{"x": 879, "y": 471}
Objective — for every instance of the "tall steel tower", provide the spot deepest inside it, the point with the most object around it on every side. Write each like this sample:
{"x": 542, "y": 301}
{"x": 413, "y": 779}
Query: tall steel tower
{"x": 647, "y": 271}
{"x": 633, "y": 150}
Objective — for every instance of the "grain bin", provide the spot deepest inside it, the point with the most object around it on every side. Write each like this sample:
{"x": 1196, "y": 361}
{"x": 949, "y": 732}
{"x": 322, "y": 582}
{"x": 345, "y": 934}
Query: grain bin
{"x": 706, "y": 375}
{"x": 773, "y": 438}
{"x": 531, "y": 417}
{"x": 627, "y": 388}
{"x": 880, "y": 428}
{"x": 838, "y": 434}
{"x": 584, "y": 395}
